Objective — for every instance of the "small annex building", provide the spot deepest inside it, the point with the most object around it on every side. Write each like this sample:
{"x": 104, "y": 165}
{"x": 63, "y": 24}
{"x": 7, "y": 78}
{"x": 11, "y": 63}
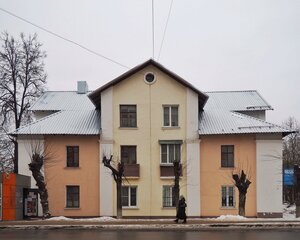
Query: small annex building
{"x": 147, "y": 118}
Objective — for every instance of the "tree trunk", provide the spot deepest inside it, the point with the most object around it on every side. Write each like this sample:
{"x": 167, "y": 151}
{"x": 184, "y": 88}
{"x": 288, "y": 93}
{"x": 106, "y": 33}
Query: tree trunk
{"x": 177, "y": 173}
{"x": 242, "y": 203}
{"x": 119, "y": 199}
{"x": 16, "y": 157}
{"x": 35, "y": 167}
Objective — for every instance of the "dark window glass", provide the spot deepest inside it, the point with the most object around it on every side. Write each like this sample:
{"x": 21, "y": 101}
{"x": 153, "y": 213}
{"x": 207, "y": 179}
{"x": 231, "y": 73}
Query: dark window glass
{"x": 128, "y": 116}
{"x": 72, "y": 156}
{"x": 171, "y": 116}
{"x": 128, "y": 154}
{"x": 72, "y": 196}
{"x": 129, "y": 196}
{"x": 133, "y": 196}
{"x": 227, "y": 156}
{"x": 125, "y": 196}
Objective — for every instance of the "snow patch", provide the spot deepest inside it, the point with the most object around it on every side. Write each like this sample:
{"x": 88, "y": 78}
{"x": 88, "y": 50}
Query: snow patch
{"x": 231, "y": 218}
{"x": 99, "y": 219}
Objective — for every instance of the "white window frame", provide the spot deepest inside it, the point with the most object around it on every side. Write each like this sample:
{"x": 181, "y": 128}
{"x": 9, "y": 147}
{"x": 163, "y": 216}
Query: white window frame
{"x": 170, "y": 116}
{"x": 227, "y": 196}
{"x": 170, "y": 197}
{"x": 168, "y": 153}
{"x": 129, "y": 196}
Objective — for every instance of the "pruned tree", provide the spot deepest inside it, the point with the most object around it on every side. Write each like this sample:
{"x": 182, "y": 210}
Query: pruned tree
{"x": 242, "y": 183}
{"x": 117, "y": 171}
{"x": 39, "y": 154}
{"x": 177, "y": 173}
{"x": 22, "y": 80}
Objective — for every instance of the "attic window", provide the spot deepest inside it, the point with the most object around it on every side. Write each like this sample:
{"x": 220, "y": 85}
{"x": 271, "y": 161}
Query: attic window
{"x": 149, "y": 78}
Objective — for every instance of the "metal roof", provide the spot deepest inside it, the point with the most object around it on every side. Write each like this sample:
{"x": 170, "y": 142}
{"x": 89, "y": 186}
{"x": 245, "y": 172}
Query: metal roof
{"x": 225, "y": 122}
{"x": 64, "y": 122}
{"x": 57, "y": 100}
{"x": 249, "y": 100}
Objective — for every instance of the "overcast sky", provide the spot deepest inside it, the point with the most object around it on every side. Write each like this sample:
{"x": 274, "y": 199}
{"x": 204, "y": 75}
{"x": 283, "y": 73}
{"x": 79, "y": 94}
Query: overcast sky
{"x": 214, "y": 44}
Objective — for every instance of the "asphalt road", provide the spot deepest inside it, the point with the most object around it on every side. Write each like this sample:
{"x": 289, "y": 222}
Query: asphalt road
{"x": 149, "y": 235}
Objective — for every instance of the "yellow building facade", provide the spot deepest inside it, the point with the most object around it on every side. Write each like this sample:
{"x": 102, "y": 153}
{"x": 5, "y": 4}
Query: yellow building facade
{"x": 148, "y": 118}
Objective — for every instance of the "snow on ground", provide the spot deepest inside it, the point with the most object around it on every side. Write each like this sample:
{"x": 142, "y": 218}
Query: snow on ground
{"x": 99, "y": 219}
{"x": 288, "y": 215}
{"x": 231, "y": 218}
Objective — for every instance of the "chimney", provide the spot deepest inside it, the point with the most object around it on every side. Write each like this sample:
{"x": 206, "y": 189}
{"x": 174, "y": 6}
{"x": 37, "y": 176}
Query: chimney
{"x": 82, "y": 87}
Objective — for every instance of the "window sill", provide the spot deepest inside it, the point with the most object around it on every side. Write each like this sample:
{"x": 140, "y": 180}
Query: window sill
{"x": 128, "y": 128}
{"x": 166, "y": 164}
{"x": 168, "y": 208}
{"x": 130, "y": 177}
{"x": 228, "y": 208}
{"x": 130, "y": 208}
{"x": 227, "y": 168}
{"x": 72, "y": 168}
{"x": 70, "y": 208}
{"x": 170, "y": 128}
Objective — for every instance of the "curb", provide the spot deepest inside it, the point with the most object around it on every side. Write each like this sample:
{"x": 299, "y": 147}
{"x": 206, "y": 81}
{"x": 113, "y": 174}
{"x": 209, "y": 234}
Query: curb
{"x": 158, "y": 227}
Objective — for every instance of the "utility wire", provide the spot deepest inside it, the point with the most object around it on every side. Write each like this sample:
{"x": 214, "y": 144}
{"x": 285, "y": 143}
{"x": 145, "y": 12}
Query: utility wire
{"x": 153, "y": 29}
{"x": 65, "y": 39}
{"x": 162, "y": 42}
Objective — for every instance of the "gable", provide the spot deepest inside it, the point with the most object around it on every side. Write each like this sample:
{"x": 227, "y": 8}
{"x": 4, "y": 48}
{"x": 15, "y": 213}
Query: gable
{"x": 95, "y": 95}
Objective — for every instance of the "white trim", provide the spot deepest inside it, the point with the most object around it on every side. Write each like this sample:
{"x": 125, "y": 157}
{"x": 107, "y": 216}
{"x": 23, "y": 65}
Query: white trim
{"x": 168, "y": 163}
{"x": 129, "y": 197}
{"x": 170, "y": 116}
{"x": 227, "y": 196}
{"x": 106, "y": 142}
{"x": 269, "y": 175}
{"x": 193, "y": 198}
{"x": 154, "y": 80}
{"x": 171, "y": 188}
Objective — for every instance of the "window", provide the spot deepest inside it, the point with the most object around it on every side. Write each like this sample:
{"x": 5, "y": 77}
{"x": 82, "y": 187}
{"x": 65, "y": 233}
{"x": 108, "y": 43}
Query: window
{"x": 72, "y": 197}
{"x": 227, "y": 196}
{"x": 129, "y": 196}
{"x": 128, "y": 116}
{"x": 170, "y": 116}
{"x": 128, "y": 154}
{"x": 170, "y": 153}
{"x": 72, "y": 156}
{"x": 227, "y": 156}
{"x": 168, "y": 196}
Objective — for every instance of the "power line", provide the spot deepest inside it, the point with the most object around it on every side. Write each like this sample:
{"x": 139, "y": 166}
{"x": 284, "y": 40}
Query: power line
{"x": 65, "y": 39}
{"x": 153, "y": 29}
{"x": 162, "y": 42}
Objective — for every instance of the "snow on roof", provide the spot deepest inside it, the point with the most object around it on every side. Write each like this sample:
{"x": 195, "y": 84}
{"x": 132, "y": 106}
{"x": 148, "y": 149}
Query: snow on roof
{"x": 225, "y": 122}
{"x": 64, "y": 122}
{"x": 59, "y": 100}
{"x": 248, "y": 100}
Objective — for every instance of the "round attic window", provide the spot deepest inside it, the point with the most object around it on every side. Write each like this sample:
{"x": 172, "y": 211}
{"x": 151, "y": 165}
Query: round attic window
{"x": 149, "y": 78}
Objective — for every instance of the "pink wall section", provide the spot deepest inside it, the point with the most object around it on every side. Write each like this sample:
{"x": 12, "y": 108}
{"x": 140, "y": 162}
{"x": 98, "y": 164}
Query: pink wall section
{"x": 58, "y": 176}
{"x": 212, "y": 176}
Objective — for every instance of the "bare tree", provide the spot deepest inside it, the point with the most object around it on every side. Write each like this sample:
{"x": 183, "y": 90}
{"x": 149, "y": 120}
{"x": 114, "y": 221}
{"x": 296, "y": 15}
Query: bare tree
{"x": 22, "y": 80}
{"x": 291, "y": 144}
{"x": 177, "y": 173}
{"x": 117, "y": 171}
{"x": 39, "y": 154}
{"x": 291, "y": 155}
{"x": 242, "y": 183}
